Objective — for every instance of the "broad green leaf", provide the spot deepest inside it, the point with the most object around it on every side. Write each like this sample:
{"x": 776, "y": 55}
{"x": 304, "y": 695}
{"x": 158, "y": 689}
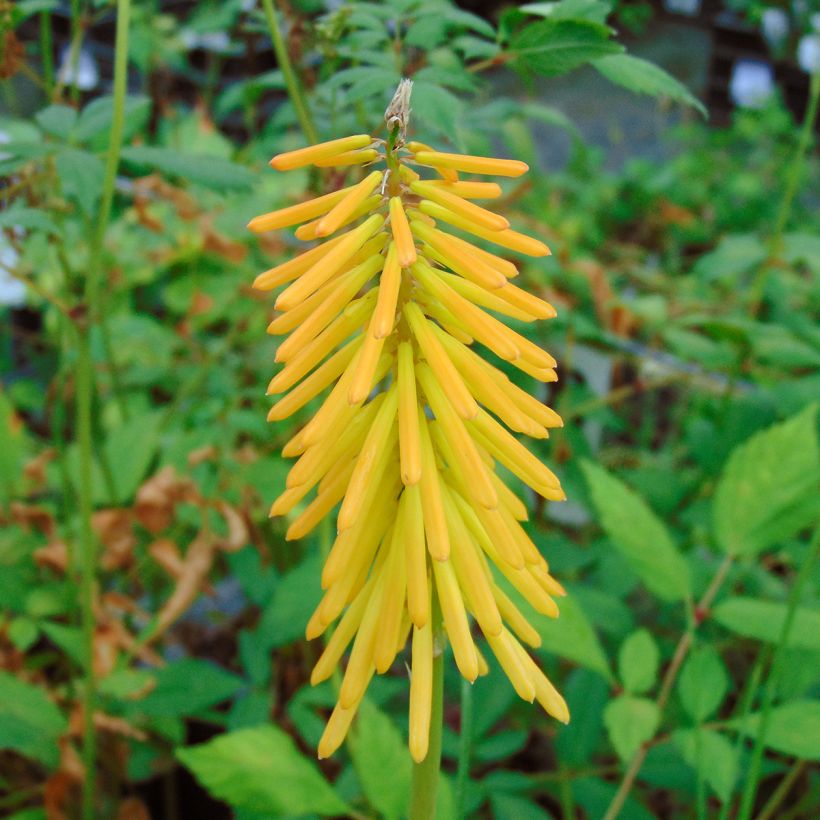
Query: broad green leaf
{"x": 30, "y": 219}
{"x": 763, "y": 620}
{"x": 638, "y": 534}
{"x": 515, "y": 807}
{"x": 768, "y": 488}
{"x": 712, "y": 755}
{"x": 638, "y": 662}
{"x": 735, "y": 255}
{"x": 595, "y": 11}
{"x": 81, "y": 177}
{"x": 630, "y": 722}
{"x": 381, "y": 757}
{"x": 130, "y": 449}
{"x": 57, "y": 120}
{"x": 97, "y": 117}
{"x": 436, "y": 107}
{"x": 260, "y": 769}
{"x": 703, "y": 683}
{"x": 550, "y": 48}
{"x": 30, "y": 723}
{"x": 187, "y": 687}
{"x": 586, "y": 693}
{"x": 210, "y": 172}
{"x": 571, "y": 635}
{"x": 644, "y": 77}
{"x": 793, "y": 728}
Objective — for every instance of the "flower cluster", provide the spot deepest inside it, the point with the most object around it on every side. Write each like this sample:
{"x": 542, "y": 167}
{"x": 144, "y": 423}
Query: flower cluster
{"x": 408, "y": 438}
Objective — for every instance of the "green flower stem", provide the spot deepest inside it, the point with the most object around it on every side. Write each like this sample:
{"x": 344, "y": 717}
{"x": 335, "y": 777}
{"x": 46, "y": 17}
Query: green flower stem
{"x": 295, "y": 93}
{"x": 773, "y": 680}
{"x": 464, "y": 747}
{"x": 426, "y": 774}
{"x": 84, "y": 422}
{"x": 794, "y": 175}
{"x": 46, "y": 53}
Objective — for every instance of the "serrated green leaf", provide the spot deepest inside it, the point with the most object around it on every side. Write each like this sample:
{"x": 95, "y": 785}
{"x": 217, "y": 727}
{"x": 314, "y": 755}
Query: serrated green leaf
{"x": 130, "y": 449}
{"x": 768, "y": 488}
{"x": 763, "y": 620}
{"x": 57, "y": 120}
{"x": 30, "y": 723}
{"x": 551, "y": 48}
{"x": 31, "y": 219}
{"x": 703, "y": 683}
{"x": 260, "y": 769}
{"x": 210, "y": 172}
{"x": 630, "y": 722}
{"x": 81, "y": 177}
{"x": 712, "y": 755}
{"x": 793, "y": 728}
{"x": 644, "y": 77}
{"x": 98, "y": 116}
{"x": 638, "y": 662}
{"x": 640, "y": 536}
{"x": 381, "y": 756}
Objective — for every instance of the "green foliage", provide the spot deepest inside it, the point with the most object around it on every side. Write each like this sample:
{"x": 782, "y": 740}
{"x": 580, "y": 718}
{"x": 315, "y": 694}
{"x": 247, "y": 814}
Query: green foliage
{"x": 638, "y": 662}
{"x": 262, "y": 771}
{"x": 630, "y": 722}
{"x": 703, "y": 683}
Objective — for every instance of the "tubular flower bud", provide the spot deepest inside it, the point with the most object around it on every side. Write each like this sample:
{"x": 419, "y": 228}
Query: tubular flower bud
{"x": 411, "y": 424}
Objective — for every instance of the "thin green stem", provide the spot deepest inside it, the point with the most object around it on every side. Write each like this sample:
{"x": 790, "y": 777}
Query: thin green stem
{"x": 782, "y": 791}
{"x": 793, "y": 177}
{"x": 84, "y": 421}
{"x": 292, "y": 83}
{"x": 465, "y": 747}
{"x": 426, "y": 774}
{"x": 773, "y": 681}
{"x": 74, "y": 49}
{"x": 668, "y": 682}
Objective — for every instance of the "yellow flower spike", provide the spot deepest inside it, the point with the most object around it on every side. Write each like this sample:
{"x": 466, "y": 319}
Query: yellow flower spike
{"x": 328, "y": 265}
{"x": 293, "y": 215}
{"x": 375, "y": 445}
{"x": 506, "y": 238}
{"x": 310, "y": 230}
{"x": 401, "y": 233}
{"x": 444, "y": 370}
{"x": 324, "y": 150}
{"x": 341, "y": 211}
{"x": 385, "y": 314}
{"x": 411, "y": 520}
{"x": 472, "y": 165}
{"x": 462, "y": 207}
{"x": 435, "y": 521}
{"x": 360, "y": 157}
{"x": 409, "y": 435}
{"x": 421, "y": 691}
{"x": 414, "y": 428}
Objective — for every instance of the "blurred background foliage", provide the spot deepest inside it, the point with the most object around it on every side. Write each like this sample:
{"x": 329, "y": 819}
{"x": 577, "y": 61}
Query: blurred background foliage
{"x": 686, "y": 275}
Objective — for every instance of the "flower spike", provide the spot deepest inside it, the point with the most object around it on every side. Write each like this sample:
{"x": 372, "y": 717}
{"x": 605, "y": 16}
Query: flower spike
{"x": 411, "y": 423}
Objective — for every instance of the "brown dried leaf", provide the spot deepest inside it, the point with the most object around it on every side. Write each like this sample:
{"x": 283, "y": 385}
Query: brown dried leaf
{"x": 114, "y": 529}
{"x": 117, "y": 726}
{"x": 202, "y": 454}
{"x": 53, "y": 555}
{"x": 132, "y": 808}
{"x": 238, "y": 531}
{"x": 35, "y": 468}
{"x": 31, "y": 517}
{"x": 158, "y": 496}
{"x": 106, "y": 649}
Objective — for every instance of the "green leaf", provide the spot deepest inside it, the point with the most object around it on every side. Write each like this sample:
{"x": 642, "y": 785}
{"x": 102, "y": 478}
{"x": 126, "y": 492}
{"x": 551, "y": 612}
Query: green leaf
{"x": 638, "y": 662}
{"x": 261, "y": 770}
{"x": 586, "y": 694}
{"x": 381, "y": 756}
{"x": 595, "y": 11}
{"x": 551, "y": 48}
{"x": 98, "y": 116}
{"x": 572, "y": 636}
{"x": 130, "y": 449}
{"x": 81, "y": 176}
{"x": 734, "y": 256}
{"x": 199, "y": 169}
{"x": 630, "y": 722}
{"x": 30, "y": 219}
{"x": 436, "y": 107}
{"x": 638, "y": 534}
{"x": 763, "y": 620}
{"x": 57, "y": 120}
{"x": 15, "y": 444}
{"x": 703, "y": 683}
{"x": 793, "y": 728}
{"x": 187, "y": 687}
{"x": 768, "y": 488}
{"x": 712, "y": 755}
{"x": 644, "y": 77}
{"x": 30, "y": 723}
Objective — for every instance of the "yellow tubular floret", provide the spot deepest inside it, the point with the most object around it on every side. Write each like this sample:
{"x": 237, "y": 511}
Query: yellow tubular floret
{"x": 464, "y": 208}
{"x": 295, "y": 214}
{"x": 411, "y": 520}
{"x": 324, "y": 150}
{"x": 468, "y": 190}
{"x": 455, "y": 619}
{"x": 421, "y": 691}
{"x": 473, "y": 165}
{"x": 359, "y": 157}
{"x": 310, "y": 230}
{"x": 435, "y": 522}
{"x": 409, "y": 436}
{"x": 343, "y": 209}
{"x": 401, "y": 233}
{"x": 383, "y": 317}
